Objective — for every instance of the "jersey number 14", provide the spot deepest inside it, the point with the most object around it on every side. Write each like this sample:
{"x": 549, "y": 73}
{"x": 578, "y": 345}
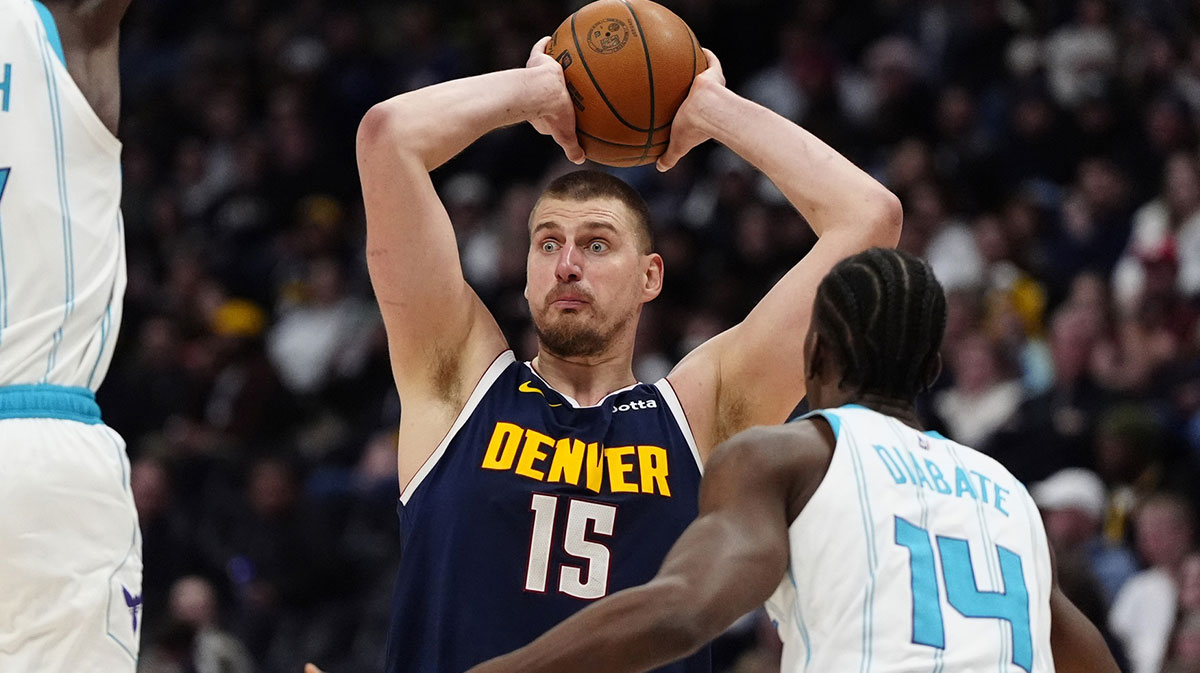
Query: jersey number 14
{"x": 962, "y": 593}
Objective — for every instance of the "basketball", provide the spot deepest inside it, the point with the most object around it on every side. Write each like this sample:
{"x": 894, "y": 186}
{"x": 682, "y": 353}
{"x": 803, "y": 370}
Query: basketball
{"x": 628, "y": 65}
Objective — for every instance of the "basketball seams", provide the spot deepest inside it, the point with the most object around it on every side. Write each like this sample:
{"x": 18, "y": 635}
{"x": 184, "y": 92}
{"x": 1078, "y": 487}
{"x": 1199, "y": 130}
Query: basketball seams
{"x": 649, "y": 77}
{"x": 596, "y": 85}
{"x": 616, "y": 144}
{"x": 610, "y": 137}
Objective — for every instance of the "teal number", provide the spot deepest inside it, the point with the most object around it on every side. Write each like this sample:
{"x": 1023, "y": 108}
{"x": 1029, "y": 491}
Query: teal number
{"x": 927, "y": 608}
{"x": 3, "y": 180}
{"x": 963, "y": 594}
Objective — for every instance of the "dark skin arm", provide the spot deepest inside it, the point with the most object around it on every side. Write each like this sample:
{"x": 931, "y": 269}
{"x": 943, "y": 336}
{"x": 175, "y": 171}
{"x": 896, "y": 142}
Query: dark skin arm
{"x": 89, "y": 31}
{"x": 1075, "y": 642}
{"x": 726, "y": 564}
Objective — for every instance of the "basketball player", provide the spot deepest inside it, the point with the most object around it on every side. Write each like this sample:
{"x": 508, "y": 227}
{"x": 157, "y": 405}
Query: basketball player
{"x": 70, "y": 551}
{"x": 532, "y": 488}
{"x": 880, "y": 547}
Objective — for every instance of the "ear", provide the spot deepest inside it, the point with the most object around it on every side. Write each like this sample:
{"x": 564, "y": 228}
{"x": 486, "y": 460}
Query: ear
{"x": 653, "y": 276}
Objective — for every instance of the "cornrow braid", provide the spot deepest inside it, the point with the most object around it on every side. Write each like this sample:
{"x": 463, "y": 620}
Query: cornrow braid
{"x": 882, "y": 314}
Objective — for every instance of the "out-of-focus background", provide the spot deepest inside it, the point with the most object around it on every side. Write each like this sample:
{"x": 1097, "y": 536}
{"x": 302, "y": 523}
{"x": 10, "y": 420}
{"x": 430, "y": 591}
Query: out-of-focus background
{"x": 1045, "y": 152}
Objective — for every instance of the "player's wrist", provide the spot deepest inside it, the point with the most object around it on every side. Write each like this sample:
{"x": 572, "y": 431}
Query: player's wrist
{"x": 716, "y": 108}
{"x": 541, "y": 91}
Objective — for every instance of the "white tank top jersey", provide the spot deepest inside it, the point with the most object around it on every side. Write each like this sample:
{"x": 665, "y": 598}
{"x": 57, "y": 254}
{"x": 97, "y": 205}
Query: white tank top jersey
{"x": 915, "y": 553}
{"x": 62, "y": 250}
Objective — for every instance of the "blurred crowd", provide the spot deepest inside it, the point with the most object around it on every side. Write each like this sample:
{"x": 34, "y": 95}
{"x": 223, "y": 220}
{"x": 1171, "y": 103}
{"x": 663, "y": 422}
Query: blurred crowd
{"x": 1045, "y": 152}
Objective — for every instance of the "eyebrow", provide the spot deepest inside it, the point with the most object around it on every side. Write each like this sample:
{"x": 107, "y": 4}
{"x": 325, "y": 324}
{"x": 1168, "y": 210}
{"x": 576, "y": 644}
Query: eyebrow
{"x": 591, "y": 224}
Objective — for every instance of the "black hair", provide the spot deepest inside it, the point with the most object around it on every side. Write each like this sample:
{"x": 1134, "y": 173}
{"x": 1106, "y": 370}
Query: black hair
{"x": 589, "y": 184}
{"x": 882, "y": 314}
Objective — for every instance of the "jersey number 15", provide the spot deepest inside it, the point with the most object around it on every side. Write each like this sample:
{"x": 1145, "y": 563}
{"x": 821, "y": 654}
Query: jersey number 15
{"x": 588, "y": 581}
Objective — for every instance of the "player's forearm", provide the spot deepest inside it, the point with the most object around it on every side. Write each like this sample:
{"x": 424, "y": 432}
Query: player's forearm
{"x": 437, "y": 122}
{"x": 828, "y": 189}
{"x": 632, "y": 631}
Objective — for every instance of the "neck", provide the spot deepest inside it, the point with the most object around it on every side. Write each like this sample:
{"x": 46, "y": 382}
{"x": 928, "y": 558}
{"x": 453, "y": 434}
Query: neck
{"x": 902, "y": 410}
{"x": 586, "y": 379}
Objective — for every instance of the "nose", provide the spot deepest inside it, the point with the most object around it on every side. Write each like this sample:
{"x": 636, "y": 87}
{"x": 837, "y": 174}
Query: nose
{"x": 568, "y": 270}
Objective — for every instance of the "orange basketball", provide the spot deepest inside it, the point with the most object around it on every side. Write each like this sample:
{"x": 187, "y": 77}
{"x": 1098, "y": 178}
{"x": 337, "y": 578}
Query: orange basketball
{"x": 628, "y": 65}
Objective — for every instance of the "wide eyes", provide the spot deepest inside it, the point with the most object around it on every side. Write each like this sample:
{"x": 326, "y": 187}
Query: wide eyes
{"x": 596, "y": 247}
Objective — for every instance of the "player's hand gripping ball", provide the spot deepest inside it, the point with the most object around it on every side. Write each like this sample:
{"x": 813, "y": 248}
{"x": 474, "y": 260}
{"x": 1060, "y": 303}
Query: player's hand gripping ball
{"x": 628, "y": 65}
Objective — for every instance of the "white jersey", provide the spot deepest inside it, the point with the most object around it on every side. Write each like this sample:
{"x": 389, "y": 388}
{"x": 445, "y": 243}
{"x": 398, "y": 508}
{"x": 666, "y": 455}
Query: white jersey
{"x": 915, "y": 553}
{"x": 62, "y": 259}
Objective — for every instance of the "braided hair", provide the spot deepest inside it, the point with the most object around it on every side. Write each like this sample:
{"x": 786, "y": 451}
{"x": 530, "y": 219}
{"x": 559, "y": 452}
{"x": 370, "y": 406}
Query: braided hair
{"x": 882, "y": 313}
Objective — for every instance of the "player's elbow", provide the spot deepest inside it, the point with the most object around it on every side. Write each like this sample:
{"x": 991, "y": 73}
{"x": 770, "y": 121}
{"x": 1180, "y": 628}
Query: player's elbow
{"x": 885, "y": 218}
{"x": 379, "y": 126}
{"x": 392, "y": 125}
{"x": 392, "y": 133}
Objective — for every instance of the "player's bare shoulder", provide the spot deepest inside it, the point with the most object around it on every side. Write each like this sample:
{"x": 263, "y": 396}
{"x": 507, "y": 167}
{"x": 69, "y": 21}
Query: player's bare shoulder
{"x": 795, "y": 455}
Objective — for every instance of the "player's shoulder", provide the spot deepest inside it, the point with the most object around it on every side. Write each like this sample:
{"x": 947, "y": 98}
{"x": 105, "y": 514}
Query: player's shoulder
{"x": 799, "y": 450}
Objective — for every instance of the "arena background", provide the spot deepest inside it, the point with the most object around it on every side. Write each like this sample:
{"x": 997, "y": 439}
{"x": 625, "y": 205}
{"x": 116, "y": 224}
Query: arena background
{"x": 1045, "y": 152}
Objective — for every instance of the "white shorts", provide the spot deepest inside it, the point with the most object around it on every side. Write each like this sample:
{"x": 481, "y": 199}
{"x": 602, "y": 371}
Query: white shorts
{"x": 70, "y": 547}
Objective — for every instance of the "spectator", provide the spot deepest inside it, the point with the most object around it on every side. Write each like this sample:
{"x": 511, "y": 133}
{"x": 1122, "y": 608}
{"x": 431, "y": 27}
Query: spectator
{"x": 324, "y": 335}
{"x": 1073, "y": 503}
{"x": 1054, "y": 430}
{"x": 167, "y": 552}
{"x": 1144, "y": 611}
{"x": 194, "y": 642}
{"x": 1168, "y": 225}
{"x": 984, "y": 394}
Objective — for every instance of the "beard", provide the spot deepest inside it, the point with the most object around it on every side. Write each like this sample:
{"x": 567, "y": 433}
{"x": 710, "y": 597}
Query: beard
{"x": 573, "y": 335}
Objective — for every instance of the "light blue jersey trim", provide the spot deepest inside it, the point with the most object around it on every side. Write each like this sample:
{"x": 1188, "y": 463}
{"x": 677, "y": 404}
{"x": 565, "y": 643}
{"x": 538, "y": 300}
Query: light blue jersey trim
{"x": 829, "y": 416}
{"x": 49, "y": 401}
{"x": 64, "y": 206}
{"x": 928, "y": 433}
{"x": 868, "y": 519}
{"x": 51, "y": 30}
{"x": 800, "y": 620}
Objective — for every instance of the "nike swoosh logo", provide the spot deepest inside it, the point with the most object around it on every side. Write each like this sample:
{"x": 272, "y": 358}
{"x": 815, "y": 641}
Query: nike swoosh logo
{"x": 526, "y": 388}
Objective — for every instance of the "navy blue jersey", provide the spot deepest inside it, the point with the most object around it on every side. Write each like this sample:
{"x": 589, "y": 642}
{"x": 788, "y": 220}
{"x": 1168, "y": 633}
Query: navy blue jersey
{"x": 531, "y": 508}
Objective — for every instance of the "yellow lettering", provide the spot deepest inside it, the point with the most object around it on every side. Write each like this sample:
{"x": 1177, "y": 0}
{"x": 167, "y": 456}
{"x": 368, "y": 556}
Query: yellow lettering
{"x": 568, "y": 461}
{"x": 531, "y": 452}
{"x": 508, "y": 436}
{"x": 617, "y": 468}
{"x": 572, "y": 462}
{"x": 652, "y": 461}
{"x": 595, "y": 467}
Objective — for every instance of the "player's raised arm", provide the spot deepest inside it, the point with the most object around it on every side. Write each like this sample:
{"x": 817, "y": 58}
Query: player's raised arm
{"x": 439, "y": 332}
{"x": 726, "y": 564}
{"x": 752, "y": 374}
